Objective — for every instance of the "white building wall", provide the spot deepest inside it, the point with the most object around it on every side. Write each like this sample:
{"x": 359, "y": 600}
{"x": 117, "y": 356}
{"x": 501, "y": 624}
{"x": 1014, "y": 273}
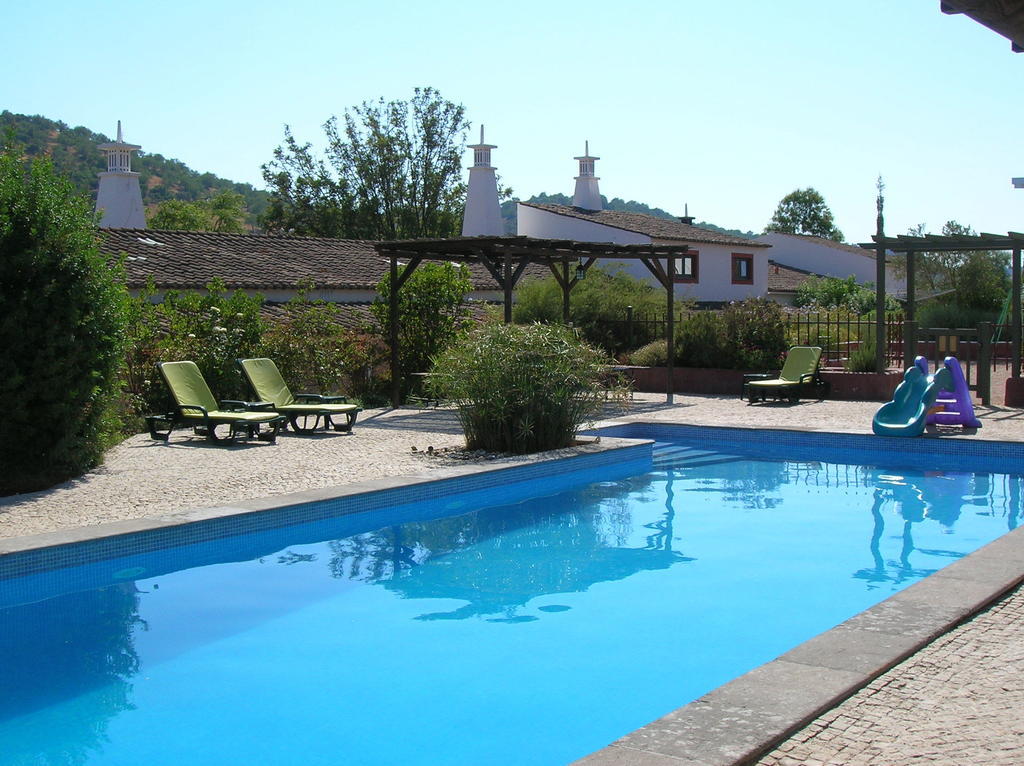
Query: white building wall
{"x": 714, "y": 261}
{"x": 813, "y": 256}
{"x": 534, "y": 222}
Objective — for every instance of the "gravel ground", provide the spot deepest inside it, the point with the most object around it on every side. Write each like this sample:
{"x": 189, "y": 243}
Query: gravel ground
{"x": 142, "y": 478}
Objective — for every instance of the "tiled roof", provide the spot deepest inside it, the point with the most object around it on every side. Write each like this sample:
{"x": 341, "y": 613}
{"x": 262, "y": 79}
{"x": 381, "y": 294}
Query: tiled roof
{"x": 783, "y": 278}
{"x": 356, "y": 316}
{"x": 191, "y": 259}
{"x": 657, "y": 228}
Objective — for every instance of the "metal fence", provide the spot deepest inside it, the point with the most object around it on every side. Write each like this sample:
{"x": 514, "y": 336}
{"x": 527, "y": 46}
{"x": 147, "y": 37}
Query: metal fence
{"x": 841, "y": 335}
{"x": 838, "y": 334}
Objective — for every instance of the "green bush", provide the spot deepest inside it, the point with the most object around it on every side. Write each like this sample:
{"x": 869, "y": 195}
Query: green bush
{"x": 862, "y": 358}
{"x": 431, "y": 312}
{"x": 701, "y": 341}
{"x": 654, "y": 354}
{"x": 951, "y": 314}
{"x": 597, "y": 306}
{"x": 317, "y": 354}
{"x": 62, "y": 316}
{"x": 212, "y": 329}
{"x": 520, "y": 388}
{"x": 755, "y": 332}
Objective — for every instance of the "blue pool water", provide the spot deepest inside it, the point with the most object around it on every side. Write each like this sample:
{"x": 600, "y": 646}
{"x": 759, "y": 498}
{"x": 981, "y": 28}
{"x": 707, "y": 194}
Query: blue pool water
{"x": 534, "y": 631}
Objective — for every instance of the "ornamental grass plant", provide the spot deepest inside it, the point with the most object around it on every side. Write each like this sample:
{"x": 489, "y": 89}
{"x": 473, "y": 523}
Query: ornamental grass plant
{"x": 521, "y": 388}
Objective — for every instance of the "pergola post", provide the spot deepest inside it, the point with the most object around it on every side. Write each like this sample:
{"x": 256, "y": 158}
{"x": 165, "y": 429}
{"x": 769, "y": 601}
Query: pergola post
{"x": 396, "y": 388}
{"x": 1015, "y": 318}
{"x": 880, "y": 307}
{"x": 566, "y": 289}
{"x": 910, "y": 316}
{"x": 507, "y": 284}
{"x": 670, "y": 302}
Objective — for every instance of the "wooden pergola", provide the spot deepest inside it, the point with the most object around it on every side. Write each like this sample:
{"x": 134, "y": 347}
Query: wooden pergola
{"x": 506, "y": 259}
{"x": 934, "y": 243}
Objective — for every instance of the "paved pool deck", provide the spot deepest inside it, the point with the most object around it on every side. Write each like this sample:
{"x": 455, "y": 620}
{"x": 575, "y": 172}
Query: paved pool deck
{"x": 955, "y": 699}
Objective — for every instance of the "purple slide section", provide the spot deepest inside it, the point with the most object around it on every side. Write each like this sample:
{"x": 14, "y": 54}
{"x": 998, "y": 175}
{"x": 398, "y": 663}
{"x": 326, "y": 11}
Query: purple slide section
{"x": 958, "y": 410}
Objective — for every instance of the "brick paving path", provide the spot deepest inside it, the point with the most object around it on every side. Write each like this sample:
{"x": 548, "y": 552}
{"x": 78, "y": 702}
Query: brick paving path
{"x": 960, "y": 700}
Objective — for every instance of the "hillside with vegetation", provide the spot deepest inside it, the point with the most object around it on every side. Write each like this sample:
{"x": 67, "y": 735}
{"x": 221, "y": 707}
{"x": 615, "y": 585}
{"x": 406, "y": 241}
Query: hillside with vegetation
{"x": 75, "y": 155}
{"x": 508, "y": 212}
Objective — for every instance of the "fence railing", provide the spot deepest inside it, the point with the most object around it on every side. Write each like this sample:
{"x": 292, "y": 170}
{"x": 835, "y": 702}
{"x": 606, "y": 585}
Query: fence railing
{"x": 838, "y": 334}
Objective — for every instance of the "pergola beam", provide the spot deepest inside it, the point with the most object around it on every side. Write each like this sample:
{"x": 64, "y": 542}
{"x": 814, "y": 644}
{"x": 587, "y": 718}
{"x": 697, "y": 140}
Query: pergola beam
{"x": 936, "y": 243}
{"x": 506, "y": 260}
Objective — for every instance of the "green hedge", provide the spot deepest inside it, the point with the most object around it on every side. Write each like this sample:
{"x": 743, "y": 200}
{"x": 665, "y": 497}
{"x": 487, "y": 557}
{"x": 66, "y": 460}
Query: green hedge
{"x": 62, "y": 318}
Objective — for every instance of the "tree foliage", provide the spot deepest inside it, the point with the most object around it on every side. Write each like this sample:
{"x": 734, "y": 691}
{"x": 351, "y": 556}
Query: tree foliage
{"x": 392, "y": 170}
{"x": 833, "y": 293}
{"x": 804, "y": 212}
{"x": 224, "y": 212}
{"x": 317, "y": 353}
{"x": 978, "y": 280}
{"x": 431, "y": 312}
{"x": 597, "y": 306}
{"x": 61, "y": 326}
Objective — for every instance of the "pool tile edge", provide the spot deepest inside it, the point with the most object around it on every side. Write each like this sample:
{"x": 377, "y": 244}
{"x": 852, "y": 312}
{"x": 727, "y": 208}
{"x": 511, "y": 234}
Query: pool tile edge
{"x": 51, "y": 545}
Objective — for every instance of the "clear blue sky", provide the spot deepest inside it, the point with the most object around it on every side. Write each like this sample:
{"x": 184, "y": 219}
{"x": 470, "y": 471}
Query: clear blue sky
{"x": 725, "y": 106}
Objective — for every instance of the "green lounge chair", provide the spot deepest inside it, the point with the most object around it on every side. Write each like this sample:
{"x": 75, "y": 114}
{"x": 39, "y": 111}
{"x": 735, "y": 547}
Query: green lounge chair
{"x": 265, "y": 379}
{"x": 798, "y": 376}
{"x": 195, "y": 405}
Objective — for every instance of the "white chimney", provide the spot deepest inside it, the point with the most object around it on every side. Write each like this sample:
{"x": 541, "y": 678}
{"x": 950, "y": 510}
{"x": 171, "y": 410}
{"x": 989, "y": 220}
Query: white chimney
{"x": 587, "y": 195}
{"x": 482, "y": 216}
{"x": 119, "y": 198}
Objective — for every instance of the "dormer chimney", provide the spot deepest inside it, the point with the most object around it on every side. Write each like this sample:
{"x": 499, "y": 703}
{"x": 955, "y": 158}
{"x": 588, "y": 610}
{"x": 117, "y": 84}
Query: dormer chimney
{"x": 119, "y": 197}
{"x": 482, "y": 216}
{"x": 587, "y": 195}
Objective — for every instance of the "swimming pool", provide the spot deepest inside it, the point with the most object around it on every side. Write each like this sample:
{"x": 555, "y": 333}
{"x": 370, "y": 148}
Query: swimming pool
{"x": 444, "y": 629}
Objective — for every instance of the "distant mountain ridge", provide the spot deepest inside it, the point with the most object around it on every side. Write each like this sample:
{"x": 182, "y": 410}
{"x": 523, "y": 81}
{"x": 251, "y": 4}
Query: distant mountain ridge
{"x": 508, "y": 212}
{"x": 75, "y": 155}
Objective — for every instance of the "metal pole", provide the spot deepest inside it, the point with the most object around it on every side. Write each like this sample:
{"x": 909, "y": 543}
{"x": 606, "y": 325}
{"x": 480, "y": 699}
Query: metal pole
{"x": 396, "y": 389}
{"x": 880, "y": 306}
{"x": 1015, "y": 318}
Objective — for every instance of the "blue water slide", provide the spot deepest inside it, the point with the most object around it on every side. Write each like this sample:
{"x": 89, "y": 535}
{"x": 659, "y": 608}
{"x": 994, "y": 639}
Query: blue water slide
{"x": 907, "y": 413}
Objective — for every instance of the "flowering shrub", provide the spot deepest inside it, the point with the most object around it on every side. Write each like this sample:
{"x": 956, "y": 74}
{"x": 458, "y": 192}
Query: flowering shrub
{"x": 316, "y": 354}
{"x": 212, "y": 330}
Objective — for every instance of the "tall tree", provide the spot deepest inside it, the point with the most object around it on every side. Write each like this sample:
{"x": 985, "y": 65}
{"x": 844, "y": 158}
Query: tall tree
{"x": 804, "y": 212}
{"x": 392, "y": 170}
